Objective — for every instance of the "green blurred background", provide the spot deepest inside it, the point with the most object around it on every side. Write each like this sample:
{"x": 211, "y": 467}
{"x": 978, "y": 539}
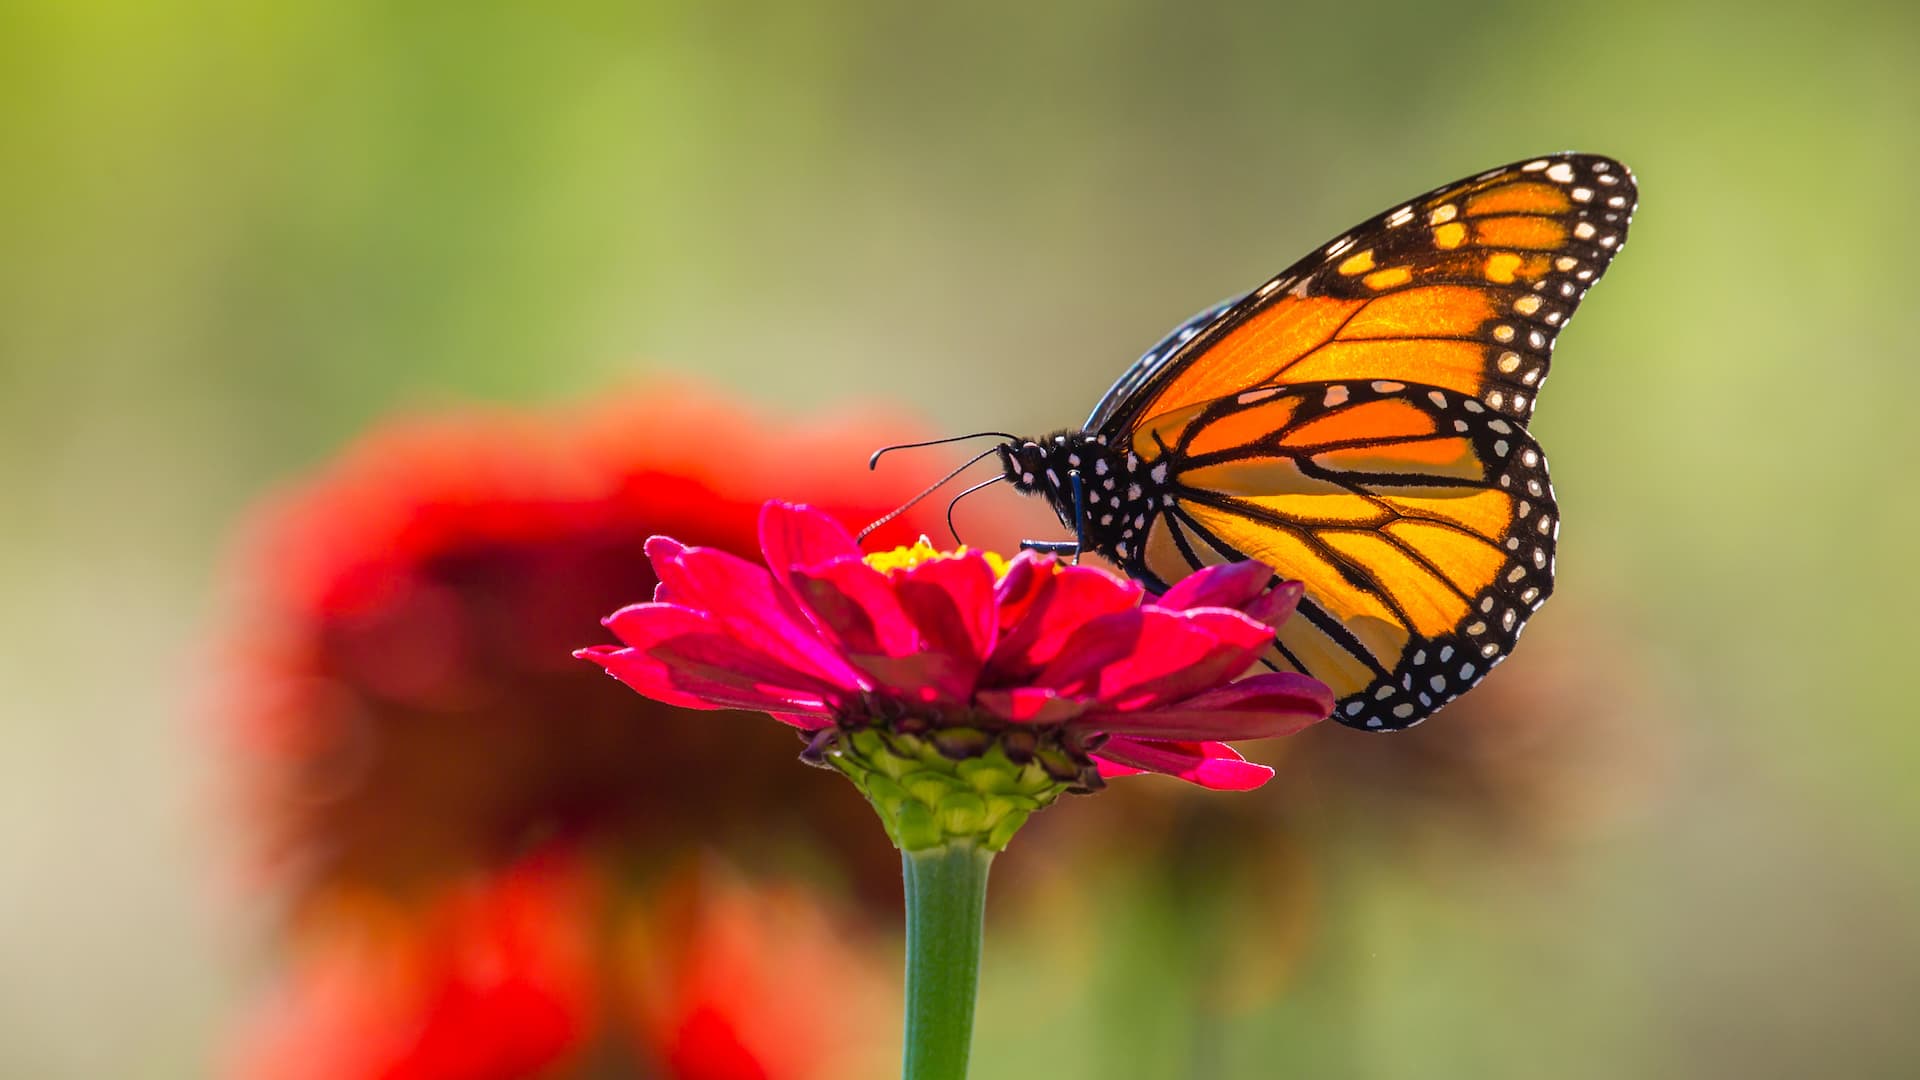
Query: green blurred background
{"x": 232, "y": 235}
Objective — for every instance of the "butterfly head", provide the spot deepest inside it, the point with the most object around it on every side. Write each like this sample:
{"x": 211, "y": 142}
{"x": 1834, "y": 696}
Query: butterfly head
{"x": 1045, "y": 466}
{"x": 1112, "y": 497}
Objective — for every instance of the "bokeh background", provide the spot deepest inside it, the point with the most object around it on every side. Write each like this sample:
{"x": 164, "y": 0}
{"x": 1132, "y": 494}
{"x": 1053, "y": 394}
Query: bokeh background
{"x": 234, "y": 235}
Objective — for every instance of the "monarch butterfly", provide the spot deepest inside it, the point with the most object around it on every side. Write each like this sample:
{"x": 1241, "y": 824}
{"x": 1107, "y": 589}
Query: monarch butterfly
{"x": 1358, "y": 423}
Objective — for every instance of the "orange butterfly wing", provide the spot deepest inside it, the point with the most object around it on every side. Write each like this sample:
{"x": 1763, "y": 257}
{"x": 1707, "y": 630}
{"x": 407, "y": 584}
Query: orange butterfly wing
{"x": 1358, "y": 423}
{"x": 1422, "y": 524}
{"x": 1464, "y": 288}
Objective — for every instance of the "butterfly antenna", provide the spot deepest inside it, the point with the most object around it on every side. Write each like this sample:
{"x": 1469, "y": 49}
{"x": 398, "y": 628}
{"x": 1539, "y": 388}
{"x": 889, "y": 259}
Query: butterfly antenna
{"x": 874, "y": 461}
{"x": 956, "y": 502}
{"x": 931, "y": 488}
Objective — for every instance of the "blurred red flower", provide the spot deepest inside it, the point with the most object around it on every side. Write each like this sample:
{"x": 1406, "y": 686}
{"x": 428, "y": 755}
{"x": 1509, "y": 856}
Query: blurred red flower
{"x": 488, "y": 977}
{"x": 539, "y": 969}
{"x": 716, "y": 971}
{"x": 409, "y": 727}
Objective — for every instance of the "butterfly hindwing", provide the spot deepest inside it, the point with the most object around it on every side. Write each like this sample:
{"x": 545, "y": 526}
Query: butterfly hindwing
{"x": 1464, "y": 288}
{"x": 1421, "y": 522}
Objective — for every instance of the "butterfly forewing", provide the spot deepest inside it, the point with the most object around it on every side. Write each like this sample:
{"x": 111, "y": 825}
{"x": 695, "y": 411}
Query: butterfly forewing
{"x": 1150, "y": 361}
{"x": 1422, "y": 523}
{"x": 1464, "y": 288}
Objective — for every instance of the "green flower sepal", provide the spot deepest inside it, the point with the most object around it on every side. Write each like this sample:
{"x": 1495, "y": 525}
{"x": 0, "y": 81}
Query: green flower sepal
{"x": 954, "y": 782}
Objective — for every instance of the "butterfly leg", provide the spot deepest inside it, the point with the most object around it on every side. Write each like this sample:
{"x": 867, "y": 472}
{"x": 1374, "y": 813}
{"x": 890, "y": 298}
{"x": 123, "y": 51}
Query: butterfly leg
{"x": 1079, "y": 542}
{"x": 1079, "y": 514}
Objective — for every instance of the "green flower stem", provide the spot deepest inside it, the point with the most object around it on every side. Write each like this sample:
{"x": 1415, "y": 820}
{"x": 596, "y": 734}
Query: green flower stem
{"x": 946, "y": 901}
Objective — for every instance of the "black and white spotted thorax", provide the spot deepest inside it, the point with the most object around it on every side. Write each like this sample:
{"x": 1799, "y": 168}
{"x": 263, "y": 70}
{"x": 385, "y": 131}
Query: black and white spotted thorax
{"x": 1120, "y": 494}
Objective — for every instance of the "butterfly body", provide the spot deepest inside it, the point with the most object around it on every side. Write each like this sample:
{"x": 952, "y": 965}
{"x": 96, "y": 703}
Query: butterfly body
{"x": 1358, "y": 422}
{"x": 1120, "y": 493}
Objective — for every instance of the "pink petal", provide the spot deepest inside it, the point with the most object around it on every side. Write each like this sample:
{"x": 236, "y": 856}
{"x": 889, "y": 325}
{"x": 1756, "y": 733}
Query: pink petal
{"x": 1257, "y": 707}
{"x": 804, "y": 721}
{"x": 928, "y": 678}
{"x": 649, "y": 683}
{"x": 676, "y": 654}
{"x": 718, "y": 669}
{"x": 854, "y": 605}
{"x": 1027, "y": 577}
{"x": 1209, "y": 764}
{"x": 1029, "y": 705}
{"x": 793, "y": 535}
{"x": 1067, "y": 599}
{"x": 1219, "y": 645}
{"x": 661, "y": 548}
{"x": 1230, "y": 627}
{"x": 743, "y": 597}
{"x": 1148, "y": 657}
{"x": 660, "y": 681}
{"x": 951, "y": 602}
{"x": 858, "y": 609}
{"x": 660, "y": 551}
{"x": 1276, "y": 605}
{"x": 1229, "y": 585}
{"x": 1092, "y": 647}
{"x": 640, "y": 625}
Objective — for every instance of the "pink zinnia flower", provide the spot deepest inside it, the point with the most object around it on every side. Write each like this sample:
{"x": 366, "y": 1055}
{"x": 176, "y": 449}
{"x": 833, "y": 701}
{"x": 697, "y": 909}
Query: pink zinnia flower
{"x": 1068, "y": 668}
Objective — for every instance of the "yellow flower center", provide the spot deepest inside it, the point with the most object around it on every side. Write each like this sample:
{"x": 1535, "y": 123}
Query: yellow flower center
{"x": 905, "y": 558}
